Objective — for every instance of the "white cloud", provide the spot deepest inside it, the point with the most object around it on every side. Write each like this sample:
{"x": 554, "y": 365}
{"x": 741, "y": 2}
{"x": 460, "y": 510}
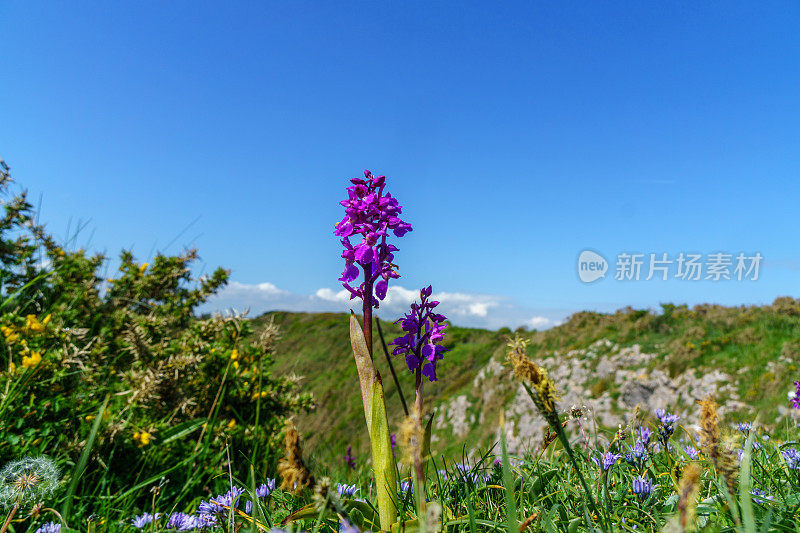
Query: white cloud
{"x": 538, "y": 322}
{"x": 461, "y": 308}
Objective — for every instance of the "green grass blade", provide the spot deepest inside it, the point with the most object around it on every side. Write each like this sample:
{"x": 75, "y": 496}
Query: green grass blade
{"x": 79, "y": 468}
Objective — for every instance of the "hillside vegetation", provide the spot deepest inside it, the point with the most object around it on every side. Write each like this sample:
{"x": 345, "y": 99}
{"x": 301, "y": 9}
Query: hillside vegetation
{"x": 746, "y": 356}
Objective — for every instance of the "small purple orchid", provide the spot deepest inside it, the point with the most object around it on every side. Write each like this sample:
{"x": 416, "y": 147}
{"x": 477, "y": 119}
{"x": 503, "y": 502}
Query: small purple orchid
{"x": 424, "y": 329}
{"x": 349, "y": 459}
{"x": 371, "y": 215}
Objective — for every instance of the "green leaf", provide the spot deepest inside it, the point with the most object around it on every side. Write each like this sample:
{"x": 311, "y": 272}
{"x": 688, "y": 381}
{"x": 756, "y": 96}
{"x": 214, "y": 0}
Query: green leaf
{"x": 383, "y": 464}
{"x": 182, "y": 430}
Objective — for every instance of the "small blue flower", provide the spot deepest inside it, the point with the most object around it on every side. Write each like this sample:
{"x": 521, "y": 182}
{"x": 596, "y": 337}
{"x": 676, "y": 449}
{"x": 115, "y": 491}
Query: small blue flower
{"x": 792, "y": 457}
{"x": 644, "y": 435}
{"x": 691, "y": 451}
{"x": 744, "y": 427}
{"x": 266, "y": 488}
{"x": 346, "y": 491}
{"x": 140, "y": 521}
{"x": 406, "y": 487}
{"x": 50, "y": 527}
{"x": 642, "y": 486}
{"x": 761, "y": 496}
{"x": 182, "y": 522}
{"x": 606, "y": 460}
{"x": 346, "y": 527}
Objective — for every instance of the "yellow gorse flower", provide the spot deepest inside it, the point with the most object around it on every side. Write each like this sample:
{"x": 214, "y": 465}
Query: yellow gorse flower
{"x": 32, "y": 324}
{"x": 143, "y": 267}
{"x": 232, "y": 423}
{"x": 142, "y": 438}
{"x": 30, "y": 361}
{"x": 234, "y": 355}
{"x": 9, "y": 333}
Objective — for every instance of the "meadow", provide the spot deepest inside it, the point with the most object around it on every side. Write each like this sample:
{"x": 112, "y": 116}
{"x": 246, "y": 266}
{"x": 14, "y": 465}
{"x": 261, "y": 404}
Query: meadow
{"x": 123, "y": 409}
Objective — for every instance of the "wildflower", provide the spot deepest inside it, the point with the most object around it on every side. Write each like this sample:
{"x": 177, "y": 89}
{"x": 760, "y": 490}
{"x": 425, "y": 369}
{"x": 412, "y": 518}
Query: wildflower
{"x": 204, "y": 520}
{"x": 744, "y": 427}
{"x": 796, "y": 396}
{"x": 232, "y": 423}
{"x": 50, "y": 527}
{"x": 642, "y": 486}
{"x": 265, "y": 489}
{"x": 637, "y": 455}
{"x": 606, "y": 460}
{"x": 33, "y": 325}
{"x": 760, "y": 496}
{"x": 28, "y": 480}
{"x": 230, "y": 498}
{"x": 406, "y": 487}
{"x": 644, "y": 435}
{"x": 142, "y": 438}
{"x": 349, "y": 459}
{"x": 142, "y": 520}
{"x": 691, "y": 451}
{"x": 32, "y": 360}
{"x": 668, "y": 421}
{"x": 792, "y": 457}
{"x": 346, "y": 491}
{"x": 424, "y": 330}
{"x": 393, "y": 440}
{"x": 370, "y": 214}
{"x": 9, "y": 333}
{"x": 182, "y": 522}
{"x": 347, "y": 527}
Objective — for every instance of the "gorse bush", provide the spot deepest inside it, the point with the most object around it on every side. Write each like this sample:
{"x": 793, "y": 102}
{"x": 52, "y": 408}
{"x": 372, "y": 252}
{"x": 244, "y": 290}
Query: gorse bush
{"x": 120, "y": 374}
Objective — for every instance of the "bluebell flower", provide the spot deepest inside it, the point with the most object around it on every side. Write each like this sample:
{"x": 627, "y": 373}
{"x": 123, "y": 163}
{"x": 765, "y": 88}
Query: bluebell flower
{"x": 183, "y": 522}
{"x": 407, "y": 487}
{"x": 744, "y": 427}
{"x": 644, "y": 435}
{"x": 346, "y": 527}
{"x": 668, "y": 421}
{"x": 209, "y": 507}
{"x": 637, "y": 455}
{"x": 761, "y": 497}
{"x": 667, "y": 418}
{"x": 346, "y": 491}
{"x": 266, "y": 489}
{"x": 140, "y": 521}
{"x": 792, "y": 457}
{"x": 691, "y": 452}
{"x": 50, "y": 527}
{"x": 606, "y": 460}
{"x": 642, "y": 486}
{"x": 248, "y": 507}
{"x": 206, "y": 520}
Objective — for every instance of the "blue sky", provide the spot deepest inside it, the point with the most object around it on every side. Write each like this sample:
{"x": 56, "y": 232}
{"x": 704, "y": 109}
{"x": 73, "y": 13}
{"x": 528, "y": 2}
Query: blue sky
{"x": 515, "y": 135}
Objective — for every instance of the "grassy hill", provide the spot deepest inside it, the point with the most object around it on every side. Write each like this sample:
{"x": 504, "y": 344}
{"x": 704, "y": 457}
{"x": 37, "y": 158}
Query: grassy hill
{"x": 747, "y": 357}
